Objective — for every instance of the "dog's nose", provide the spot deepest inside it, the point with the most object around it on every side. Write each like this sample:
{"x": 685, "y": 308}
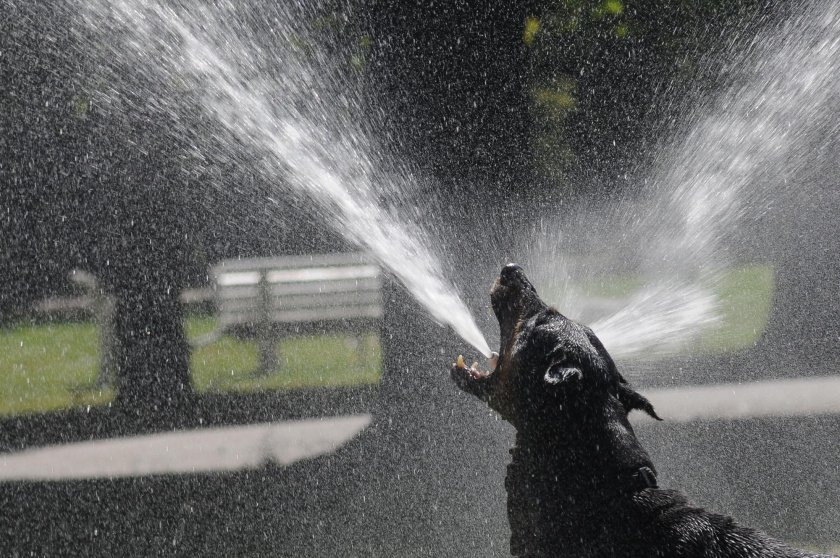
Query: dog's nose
{"x": 510, "y": 271}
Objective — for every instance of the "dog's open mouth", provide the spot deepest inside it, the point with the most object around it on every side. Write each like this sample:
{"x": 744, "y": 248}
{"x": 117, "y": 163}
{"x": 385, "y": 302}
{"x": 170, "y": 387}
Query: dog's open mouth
{"x": 474, "y": 371}
{"x": 509, "y": 297}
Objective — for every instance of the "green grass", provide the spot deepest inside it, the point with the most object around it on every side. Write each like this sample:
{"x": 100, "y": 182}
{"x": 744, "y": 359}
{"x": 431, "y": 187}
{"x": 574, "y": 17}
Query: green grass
{"x": 55, "y": 366}
{"x": 612, "y": 287}
{"x": 746, "y": 296}
{"x": 46, "y": 367}
{"x": 323, "y": 361}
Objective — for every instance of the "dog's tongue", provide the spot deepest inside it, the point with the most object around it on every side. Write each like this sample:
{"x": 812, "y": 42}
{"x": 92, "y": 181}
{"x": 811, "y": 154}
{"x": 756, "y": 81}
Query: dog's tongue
{"x": 492, "y": 361}
{"x": 474, "y": 370}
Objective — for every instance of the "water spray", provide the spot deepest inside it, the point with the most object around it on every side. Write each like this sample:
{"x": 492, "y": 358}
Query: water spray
{"x": 285, "y": 121}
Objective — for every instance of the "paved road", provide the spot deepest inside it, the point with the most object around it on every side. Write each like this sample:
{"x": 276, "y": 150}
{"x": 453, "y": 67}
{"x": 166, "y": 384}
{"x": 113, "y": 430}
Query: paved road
{"x": 770, "y": 398}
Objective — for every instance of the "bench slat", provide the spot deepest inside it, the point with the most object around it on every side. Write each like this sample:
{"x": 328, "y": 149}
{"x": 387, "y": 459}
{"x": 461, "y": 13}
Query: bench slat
{"x": 322, "y": 300}
{"x": 291, "y": 302}
{"x": 237, "y": 278}
{"x": 281, "y": 289}
{"x": 343, "y": 286}
{"x": 334, "y": 313}
{"x": 308, "y": 274}
{"x": 326, "y": 314}
{"x": 232, "y": 293}
{"x": 236, "y": 306}
{"x": 288, "y": 262}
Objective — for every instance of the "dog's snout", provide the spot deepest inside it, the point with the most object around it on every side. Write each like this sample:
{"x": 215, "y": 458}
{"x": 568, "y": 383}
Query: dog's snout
{"x": 510, "y": 271}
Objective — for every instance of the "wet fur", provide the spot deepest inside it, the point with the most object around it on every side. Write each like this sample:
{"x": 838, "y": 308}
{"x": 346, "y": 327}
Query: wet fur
{"x": 579, "y": 483}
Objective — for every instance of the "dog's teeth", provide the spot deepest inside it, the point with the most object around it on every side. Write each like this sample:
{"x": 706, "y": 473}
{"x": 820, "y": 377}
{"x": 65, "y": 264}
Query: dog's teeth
{"x": 474, "y": 365}
{"x": 460, "y": 362}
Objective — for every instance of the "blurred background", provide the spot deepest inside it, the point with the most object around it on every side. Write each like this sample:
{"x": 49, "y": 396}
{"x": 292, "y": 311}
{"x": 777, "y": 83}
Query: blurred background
{"x": 211, "y": 337}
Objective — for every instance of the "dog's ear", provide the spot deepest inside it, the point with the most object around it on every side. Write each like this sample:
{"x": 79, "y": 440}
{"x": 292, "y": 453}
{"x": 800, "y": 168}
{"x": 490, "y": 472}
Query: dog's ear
{"x": 558, "y": 373}
{"x": 634, "y": 400}
{"x": 629, "y": 399}
{"x": 610, "y": 369}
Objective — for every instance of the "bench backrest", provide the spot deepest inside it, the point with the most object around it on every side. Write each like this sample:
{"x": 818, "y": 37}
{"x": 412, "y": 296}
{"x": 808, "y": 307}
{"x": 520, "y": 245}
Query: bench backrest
{"x": 299, "y": 292}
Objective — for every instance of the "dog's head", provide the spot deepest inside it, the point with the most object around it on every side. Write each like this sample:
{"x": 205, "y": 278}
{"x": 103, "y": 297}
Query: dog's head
{"x": 549, "y": 369}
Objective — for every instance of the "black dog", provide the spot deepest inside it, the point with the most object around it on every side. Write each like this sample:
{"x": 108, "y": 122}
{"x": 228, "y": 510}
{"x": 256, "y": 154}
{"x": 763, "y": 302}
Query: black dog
{"x": 579, "y": 483}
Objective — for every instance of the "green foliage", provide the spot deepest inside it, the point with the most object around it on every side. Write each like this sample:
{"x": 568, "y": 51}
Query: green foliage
{"x": 583, "y": 18}
{"x": 81, "y": 106}
{"x": 361, "y": 52}
{"x": 557, "y": 99}
{"x": 622, "y": 30}
{"x": 609, "y": 8}
{"x": 554, "y": 102}
{"x": 613, "y": 7}
{"x": 624, "y": 57}
{"x": 570, "y": 32}
{"x": 532, "y": 27}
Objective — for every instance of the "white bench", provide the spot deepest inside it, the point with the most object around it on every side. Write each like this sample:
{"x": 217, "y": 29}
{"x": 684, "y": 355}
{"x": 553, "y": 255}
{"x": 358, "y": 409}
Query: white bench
{"x": 272, "y": 298}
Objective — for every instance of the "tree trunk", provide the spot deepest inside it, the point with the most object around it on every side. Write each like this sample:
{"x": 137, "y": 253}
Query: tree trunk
{"x": 153, "y": 383}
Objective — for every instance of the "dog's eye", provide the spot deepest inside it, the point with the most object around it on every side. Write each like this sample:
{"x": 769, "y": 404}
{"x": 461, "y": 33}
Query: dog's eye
{"x": 558, "y": 373}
